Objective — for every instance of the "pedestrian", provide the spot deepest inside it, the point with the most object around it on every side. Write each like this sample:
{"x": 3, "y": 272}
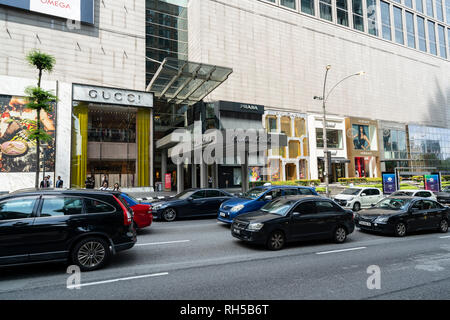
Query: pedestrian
{"x": 105, "y": 180}
{"x": 50, "y": 181}
{"x": 90, "y": 182}
{"x": 59, "y": 183}
{"x": 210, "y": 181}
{"x": 44, "y": 183}
{"x": 116, "y": 187}
{"x": 104, "y": 186}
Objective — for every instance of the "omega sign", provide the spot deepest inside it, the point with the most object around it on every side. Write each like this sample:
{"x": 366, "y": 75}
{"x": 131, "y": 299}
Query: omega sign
{"x": 112, "y": 96}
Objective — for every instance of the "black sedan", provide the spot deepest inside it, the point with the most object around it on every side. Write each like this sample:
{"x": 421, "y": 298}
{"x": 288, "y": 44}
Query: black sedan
{"x": 400, "y": 215}
{"x": 191, "y": 203}
{"x": 294, "y": 218}
{"x": 443, "y": 197}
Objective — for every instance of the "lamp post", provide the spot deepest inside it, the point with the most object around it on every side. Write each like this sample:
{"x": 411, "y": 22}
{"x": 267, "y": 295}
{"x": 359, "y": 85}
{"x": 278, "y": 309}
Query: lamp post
{"x": 324, "y": 99}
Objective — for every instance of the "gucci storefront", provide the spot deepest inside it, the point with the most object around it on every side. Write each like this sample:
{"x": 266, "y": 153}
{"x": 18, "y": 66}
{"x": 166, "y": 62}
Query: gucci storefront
{"x": 111, "y": 137}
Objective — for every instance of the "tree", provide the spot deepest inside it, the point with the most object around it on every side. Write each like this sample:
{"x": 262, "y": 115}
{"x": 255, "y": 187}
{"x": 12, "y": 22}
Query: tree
{"x": 39, "y": 99}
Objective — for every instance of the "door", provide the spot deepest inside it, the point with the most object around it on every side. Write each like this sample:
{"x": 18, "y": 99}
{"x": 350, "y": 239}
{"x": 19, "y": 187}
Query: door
{"x": 52, "y": 227}
{"x": 305, "y": 224}
{"x": 16, "y": 220}
{"x": 433, "y": 214}
{"x": 365, "y": 197}
{"x": 417, "y": 218}
{"x": 214, "y": 199}
{"x": 328, "y": 216}
{"x": 198, "y": 205}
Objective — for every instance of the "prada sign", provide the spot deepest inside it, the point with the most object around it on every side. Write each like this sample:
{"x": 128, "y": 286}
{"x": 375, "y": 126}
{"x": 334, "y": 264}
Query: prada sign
{"x": 112, "y": 96}
{"x": 240, "y": 107}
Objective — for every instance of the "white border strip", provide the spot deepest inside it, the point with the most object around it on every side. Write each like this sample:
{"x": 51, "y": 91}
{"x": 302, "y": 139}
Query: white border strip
{"x": 159, "y": 243}
{"x": 116, "y": 280}
{"x": 342, "y": 250}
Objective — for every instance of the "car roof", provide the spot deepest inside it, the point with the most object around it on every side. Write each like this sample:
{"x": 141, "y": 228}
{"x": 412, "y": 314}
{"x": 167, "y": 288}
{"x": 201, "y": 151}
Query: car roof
{"x": 53, "y": 191}
{"x": 302, "y": 197}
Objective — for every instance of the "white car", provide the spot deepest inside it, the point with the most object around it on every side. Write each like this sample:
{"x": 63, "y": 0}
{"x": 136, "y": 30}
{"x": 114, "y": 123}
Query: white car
{"x": 414, "y": 193}
{"x": 356, "y": 198}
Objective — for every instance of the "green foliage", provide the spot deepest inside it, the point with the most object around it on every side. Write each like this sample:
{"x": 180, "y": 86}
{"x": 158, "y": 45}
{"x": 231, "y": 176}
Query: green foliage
{"x": 286, "y": 183}
{"x": 39, "y": 99}
{"x": 346, "y": 181}
{"x": 42, "y": 61}
{"x": 321, "y": 190}
{"x": 39, "y": 134}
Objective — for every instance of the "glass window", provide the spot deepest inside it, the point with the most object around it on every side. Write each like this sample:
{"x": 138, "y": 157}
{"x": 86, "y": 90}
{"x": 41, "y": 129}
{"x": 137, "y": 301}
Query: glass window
{"x": 286, "y": 126}
{"x": 288, "y": 3}
{"x": 198, "y": 195}
{"x": 294, "y": 149}
{"x": 305, "y": 192}
{"x": 398, "y": 23}
{"x": 442, "y": 45}
{"x": 18, "y": 208}
{"x": 342, "y": 12}
{"x": 271, "y": 124}
{"x": 430, "y": 11}
{"x": 432, "y": 37}
{"x": 96, "y": 206}
{"x": 276, "y": 193}
{"x": 448, "y": 37}
{"x": 334, "y": 138}
{"x": 358, "y": 20}
{"x": 439, "y": 10}
{"x": 447, "y": 5}
{"x": 62, "y": 206}
{"x": 372, "y": 17}
{"x": 290, "y": 192}
{"x": 385, "y": 21}
{"x": 409, "y": 3}
{"x": 410, "y": 29}
{"x": 419, "y": 5}
{"x": 308, "y": 207}
{"x": 300, "y": 127}
{"x": 421, "y": 34}
{"x": 213, "y": 193}
{"x": 325, "y": 10}
{"x": 307, "y": 6}
{"x": 325, "y": 206}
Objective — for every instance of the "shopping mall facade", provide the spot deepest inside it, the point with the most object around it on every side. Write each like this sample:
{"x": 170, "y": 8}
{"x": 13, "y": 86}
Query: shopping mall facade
{"x": 129, "y": 76}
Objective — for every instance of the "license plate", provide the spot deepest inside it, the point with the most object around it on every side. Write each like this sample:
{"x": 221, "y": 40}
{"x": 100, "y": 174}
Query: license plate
{"x": 364, "y": 223}
{"x": 237, "y": 231}
{"x": 222, "y": 214}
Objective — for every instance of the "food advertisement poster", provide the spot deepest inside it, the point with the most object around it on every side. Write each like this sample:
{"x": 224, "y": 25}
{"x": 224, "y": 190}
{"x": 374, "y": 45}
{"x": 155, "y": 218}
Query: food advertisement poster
{"x": 17, "y": 152}
{"x": 254, "y": 174}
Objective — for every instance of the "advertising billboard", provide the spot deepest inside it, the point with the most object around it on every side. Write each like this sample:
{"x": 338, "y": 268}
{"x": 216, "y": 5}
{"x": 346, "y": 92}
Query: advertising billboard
{"x": 433, "y": 182}
{"x": 17, "y": 151}
{"x": 390, "y": 182}
{"x": 80, "y": 10}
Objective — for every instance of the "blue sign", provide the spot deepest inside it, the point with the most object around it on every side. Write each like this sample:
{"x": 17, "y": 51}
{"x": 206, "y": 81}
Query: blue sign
{"x": 390, "y": 184}
{"x": 80, "y": 10}
{"x": 433, "y": 182}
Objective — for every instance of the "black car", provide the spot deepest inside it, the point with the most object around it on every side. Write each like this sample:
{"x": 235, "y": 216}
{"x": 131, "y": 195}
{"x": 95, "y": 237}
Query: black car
{"x": 294, "y": 218}
{"x": 79, "y": 226}
{"x": 191, "y": 203}
{"x": 444, "y": 196}
{"x": 400, "y": 215}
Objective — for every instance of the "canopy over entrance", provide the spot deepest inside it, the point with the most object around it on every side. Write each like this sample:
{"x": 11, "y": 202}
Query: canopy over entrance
{"x": 186, "y": 82}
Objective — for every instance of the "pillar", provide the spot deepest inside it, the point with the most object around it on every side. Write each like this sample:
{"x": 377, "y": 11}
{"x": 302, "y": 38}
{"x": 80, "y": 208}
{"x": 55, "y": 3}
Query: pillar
{"x": 203, "y": 175}
{"x": 180, "y": 178}
{"x": 163, "y": 168}
{"x": 194, "y": 175}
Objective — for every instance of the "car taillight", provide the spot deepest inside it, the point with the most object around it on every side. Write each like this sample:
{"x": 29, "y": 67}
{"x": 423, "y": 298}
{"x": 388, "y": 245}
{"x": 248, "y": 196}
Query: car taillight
{"x": 127, "y": 218}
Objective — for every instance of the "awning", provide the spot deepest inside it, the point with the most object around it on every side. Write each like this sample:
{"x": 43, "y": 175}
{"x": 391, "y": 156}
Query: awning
{"x": 336, "y": 159}
{"x": 186, "y": 82}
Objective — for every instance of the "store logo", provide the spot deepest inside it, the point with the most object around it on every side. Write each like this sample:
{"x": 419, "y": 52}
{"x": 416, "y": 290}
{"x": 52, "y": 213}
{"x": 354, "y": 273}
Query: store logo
{"x": 117, "y": 96}
{"x": 249, "y": 107}
{"x": 70, "y": 9}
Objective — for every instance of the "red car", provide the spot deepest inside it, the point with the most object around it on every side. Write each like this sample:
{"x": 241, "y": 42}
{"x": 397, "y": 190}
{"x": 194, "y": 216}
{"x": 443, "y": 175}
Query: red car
{"x": 143, "y": 216}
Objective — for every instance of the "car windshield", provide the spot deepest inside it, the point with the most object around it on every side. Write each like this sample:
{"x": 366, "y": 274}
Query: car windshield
{"x": 133, "y": 198}
{"x": 254, "y": 193}
{"x": 279, "y": 207}
{"x": 393, "y": 204}
{"x": 403, "y": 193}
{"x": 184, "y": 195}
{"x": 351, "y": 191}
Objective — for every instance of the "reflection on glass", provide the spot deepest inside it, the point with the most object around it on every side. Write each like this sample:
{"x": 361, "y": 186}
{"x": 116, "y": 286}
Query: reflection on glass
{"x": 325, "y": 10}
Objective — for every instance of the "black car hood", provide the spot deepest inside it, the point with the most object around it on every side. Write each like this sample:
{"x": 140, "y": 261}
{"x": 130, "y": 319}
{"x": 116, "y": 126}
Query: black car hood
{"x": 379, "y": 212}
{"x": 257, "y": 216}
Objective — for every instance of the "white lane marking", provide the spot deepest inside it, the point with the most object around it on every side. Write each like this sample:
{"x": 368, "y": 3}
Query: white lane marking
{"x": 119, "y": 279}
{"x": 159, "y": 243}
{"x": 446, "y": 237}
{"x": 342, "y": 250}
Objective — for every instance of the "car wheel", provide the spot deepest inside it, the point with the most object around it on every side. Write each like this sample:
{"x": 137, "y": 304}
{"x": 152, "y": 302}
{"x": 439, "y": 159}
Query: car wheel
{"x": 169, "y": 215}
{"x": 91, "y": 254}
{"x": 400, "y": 229}
{"x": 443, "y": 226}
{"x": 356, "y": 206}
{"x": 340, "y": 234}
{"x": 276, "y": 241}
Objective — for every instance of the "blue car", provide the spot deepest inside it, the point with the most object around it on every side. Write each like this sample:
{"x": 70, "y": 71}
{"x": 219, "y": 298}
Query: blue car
{"x": 257, "y": 197}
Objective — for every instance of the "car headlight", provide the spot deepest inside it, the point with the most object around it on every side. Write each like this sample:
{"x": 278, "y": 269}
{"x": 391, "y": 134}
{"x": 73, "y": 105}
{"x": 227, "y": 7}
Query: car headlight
{"x": 157, "y": 207}
{"x": 237, "y": 208}
{"x": 382, "y": 219}
{"x": 255, "y": 226}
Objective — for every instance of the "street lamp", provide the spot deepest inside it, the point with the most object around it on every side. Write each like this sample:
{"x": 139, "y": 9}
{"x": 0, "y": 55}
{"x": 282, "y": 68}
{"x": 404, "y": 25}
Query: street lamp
{"x": 324, "y": 99}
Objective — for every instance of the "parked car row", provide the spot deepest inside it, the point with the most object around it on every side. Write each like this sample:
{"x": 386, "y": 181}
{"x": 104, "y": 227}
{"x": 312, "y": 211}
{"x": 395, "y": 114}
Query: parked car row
{"x": 86, "y": 227}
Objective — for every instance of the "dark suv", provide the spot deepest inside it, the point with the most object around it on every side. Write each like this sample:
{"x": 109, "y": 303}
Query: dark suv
{"x": 79, "y": 226}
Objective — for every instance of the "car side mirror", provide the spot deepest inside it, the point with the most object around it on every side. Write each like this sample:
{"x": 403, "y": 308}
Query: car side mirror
{"x": 268, "y": 198}
{"x": 363, "y": 194}
{"x": 190, "y": 199}
{"x": 372, "y": 205}
{"x": 296, "y": 214}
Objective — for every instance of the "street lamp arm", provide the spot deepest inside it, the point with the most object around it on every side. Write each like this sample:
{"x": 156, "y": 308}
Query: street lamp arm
{"x": 329, "y": 93}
